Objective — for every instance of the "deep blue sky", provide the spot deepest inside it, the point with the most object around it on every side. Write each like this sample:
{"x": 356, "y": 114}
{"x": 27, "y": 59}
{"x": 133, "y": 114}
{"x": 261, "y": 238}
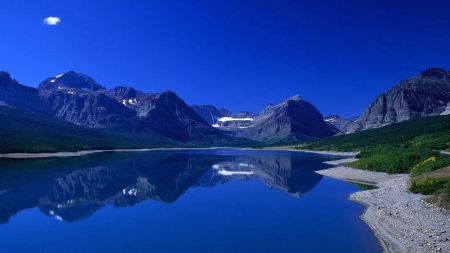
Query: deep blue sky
{"x": 236, "y": 54}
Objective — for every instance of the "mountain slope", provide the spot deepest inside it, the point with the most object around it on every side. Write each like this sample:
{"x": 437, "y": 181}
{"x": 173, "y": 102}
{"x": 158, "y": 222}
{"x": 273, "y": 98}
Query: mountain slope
{"x": 68, "y": 80}
{"x": 17, "y": 95}
{"x": 339, "y": 122}
{"x": 291, "y": 120}
{"x": 406, "y": 147}
{"x": 210, "y": 114}
{"x": 23, "y": 131}
{"x": 171, "y": 116}
{"x": 424, "y": 95}
{"x": 77, "y": 98}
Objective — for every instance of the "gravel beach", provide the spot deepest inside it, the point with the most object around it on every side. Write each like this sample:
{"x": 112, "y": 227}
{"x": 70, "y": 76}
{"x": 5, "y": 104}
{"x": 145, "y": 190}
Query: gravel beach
{"x": 402, "y": 221}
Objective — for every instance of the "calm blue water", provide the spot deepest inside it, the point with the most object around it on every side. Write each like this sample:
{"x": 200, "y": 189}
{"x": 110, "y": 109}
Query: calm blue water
{"x": 199, "y": 201}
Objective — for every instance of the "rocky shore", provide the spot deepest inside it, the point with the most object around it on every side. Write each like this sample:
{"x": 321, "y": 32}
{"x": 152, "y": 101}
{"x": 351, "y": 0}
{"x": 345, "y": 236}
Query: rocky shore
{"x": 402, "y": 221}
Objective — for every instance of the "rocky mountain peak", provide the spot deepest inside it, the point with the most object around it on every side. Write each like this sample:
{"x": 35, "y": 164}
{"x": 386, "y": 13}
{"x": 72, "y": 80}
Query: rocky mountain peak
{"x": 333, "y": 116}
{"x": 224, "y": 112}
{"x": 123, "y": 92}
{"x": 424, "y": 95}
{"x": 294, "y": 98}
{"x": 293, "y": 119}
{"x": 167, "y": 94}
{"x": 338, "y": 122}
{"x": 437, "y": 73}
{"x": 211, "y": 114}
{"x": 70, "y": 80}
{"x": 14, "y": 94}
{"x": 78, "y": 81}
{"x": 271, "y": 107}
{"x": 5, "y": 78}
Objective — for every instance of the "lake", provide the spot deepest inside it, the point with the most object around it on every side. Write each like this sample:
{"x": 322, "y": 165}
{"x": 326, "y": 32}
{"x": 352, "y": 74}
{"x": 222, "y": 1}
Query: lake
{"x": 218, "y": 200}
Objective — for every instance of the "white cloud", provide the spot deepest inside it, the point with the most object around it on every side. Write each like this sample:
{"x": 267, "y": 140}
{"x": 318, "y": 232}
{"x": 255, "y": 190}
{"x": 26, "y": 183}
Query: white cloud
{"x": 52, "y": 20}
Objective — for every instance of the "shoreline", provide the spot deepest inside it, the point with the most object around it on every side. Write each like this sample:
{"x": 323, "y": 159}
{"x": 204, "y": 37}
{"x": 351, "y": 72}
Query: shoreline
{"x": 87, "y": 152}
{"x": 337, "y": 153}
{"x": 402, "y": 221}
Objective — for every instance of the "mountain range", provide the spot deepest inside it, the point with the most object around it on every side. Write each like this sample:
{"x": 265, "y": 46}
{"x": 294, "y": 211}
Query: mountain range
{"x": 79, "y": 99}
{"x": 291, "y": 120}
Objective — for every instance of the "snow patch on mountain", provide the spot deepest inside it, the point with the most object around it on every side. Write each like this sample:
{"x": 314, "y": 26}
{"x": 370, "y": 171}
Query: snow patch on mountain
{"x": 225, "y": 119}
{"x": 232, "y": 173}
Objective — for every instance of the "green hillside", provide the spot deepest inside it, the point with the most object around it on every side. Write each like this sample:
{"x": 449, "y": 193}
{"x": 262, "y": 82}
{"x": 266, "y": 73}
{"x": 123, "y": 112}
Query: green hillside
{"x": 23, "y": 131}
{"x": 407, "y": 147}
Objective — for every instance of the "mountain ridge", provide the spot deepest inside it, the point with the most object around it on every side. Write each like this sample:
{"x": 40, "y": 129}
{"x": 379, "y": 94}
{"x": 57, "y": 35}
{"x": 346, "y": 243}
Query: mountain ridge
{"x": 79, "y": 99}
{"x": 427, "y": 94}
{"x": 290, "y": 120}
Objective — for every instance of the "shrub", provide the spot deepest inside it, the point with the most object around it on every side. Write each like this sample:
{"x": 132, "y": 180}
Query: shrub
{"x": 430, "y": 185}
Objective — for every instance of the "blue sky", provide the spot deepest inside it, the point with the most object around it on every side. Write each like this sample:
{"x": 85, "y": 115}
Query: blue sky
{"x": 236, "y": 54}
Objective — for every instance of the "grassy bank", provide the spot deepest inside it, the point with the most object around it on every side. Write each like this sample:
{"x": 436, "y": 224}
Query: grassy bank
{"x": 407, "y": 147}
{"x": 436, "y": 183}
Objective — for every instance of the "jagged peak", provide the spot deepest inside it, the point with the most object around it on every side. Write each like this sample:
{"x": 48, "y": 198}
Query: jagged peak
{"x": 123, "y": 89}
{"x": 436, "y": 73}
{"x": 167, "y": 92}
{"x": 71, "y": 79}
{"x": 296, "y": 97}
{"x": 293, "y": 98}
{"x": 271, "y": 107}
{"x": 204, "y": 106}
{"x": 4, "y": 73}
{"x": 73, "y": 74}
{"x": 5, "y": 77}
{"x": 58, "y": 76}
{"x": 333, "y": 116}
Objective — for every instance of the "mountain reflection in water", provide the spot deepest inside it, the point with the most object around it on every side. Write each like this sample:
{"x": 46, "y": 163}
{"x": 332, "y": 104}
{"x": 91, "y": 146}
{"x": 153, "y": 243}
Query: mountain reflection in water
{"x": 72, "y": 189}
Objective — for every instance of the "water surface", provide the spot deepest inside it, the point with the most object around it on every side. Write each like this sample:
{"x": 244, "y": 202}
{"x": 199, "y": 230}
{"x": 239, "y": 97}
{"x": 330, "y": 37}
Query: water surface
{"x": 222, "y": 200}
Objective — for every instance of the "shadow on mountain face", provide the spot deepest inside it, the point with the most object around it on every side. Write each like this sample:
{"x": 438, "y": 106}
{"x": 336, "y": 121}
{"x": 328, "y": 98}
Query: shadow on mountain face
{"x": 72, "y": 189}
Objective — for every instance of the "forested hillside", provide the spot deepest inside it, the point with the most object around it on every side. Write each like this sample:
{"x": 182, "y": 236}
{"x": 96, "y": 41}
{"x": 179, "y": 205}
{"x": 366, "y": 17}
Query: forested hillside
{"x": 30, "y": 132}
{"x": 407, "y": 147}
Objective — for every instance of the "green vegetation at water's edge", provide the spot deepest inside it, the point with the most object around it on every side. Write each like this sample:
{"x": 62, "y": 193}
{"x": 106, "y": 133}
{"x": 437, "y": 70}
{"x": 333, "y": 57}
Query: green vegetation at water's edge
{"x": 430, "y": 185}
{"x": 415, "y": 161}
{"x": 438, "y": 187}
{"x": 437, "y": 183}
{"x": 407, "y": 147}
